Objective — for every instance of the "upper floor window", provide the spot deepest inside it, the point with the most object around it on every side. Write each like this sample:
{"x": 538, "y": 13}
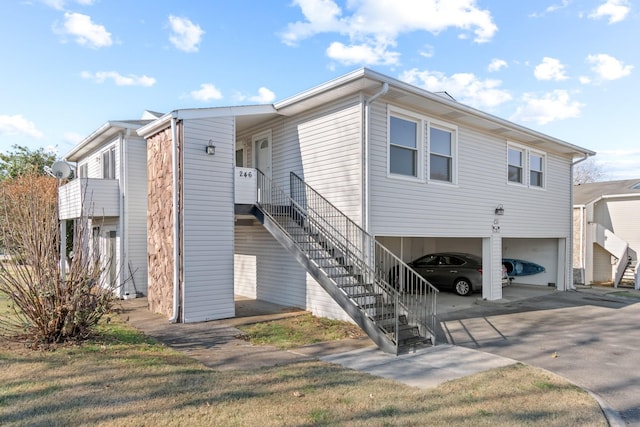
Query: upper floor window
{"x": 404, "y": 146}
{"x": 516, "y": 164}
{"x": 536, "y": 170}
{"x": 441, "y": 154}
{"x": 83, "y": 170}
{"x": 526, "y": 166}
{"x": 109, "y": 163}
{"x": 240, "y": 157}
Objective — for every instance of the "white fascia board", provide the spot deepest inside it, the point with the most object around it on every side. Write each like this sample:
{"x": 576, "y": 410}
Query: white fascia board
{"x": 96, "y": 138}
{"x": 201, "y": 113}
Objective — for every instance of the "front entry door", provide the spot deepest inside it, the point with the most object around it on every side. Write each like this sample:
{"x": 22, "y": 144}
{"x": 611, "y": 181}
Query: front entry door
{"x": 262, "y": 152}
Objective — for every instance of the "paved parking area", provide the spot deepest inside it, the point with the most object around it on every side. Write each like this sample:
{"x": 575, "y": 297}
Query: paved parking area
{"x": 589, "y": 336}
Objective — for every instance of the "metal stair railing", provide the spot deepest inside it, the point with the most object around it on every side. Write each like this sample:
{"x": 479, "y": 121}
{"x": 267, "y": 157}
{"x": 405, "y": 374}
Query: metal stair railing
{"x": 400, "y": 292}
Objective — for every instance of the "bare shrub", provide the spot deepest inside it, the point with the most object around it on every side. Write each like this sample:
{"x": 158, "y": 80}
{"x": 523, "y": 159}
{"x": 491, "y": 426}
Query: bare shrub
{"x": 45, "y": 307}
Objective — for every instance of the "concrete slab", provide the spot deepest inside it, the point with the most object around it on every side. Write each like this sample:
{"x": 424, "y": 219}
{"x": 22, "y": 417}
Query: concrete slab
{"x": 425, "y": 368}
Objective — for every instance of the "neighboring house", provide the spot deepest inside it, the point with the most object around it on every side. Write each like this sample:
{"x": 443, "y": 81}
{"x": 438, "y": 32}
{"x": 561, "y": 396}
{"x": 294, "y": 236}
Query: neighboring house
{"x": 294, "y": 203}
{"x": 606, "y": 232}
{"x": 110, "y": 188}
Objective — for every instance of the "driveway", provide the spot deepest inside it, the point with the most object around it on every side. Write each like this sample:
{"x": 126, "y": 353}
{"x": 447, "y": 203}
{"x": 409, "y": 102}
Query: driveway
{"x": 589, "y": 336}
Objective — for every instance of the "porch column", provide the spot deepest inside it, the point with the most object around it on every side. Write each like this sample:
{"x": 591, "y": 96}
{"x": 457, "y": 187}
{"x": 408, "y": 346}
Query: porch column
{"x": 492, "y": 267}
{"x": 63, "y": 249}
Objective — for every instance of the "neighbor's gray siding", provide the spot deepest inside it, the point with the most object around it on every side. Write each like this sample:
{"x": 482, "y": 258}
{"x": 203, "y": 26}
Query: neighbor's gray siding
{"x": 135, "y": 214}
{"x": 402, "y": 207}
{"x": 621, "y": 216}
{"x": 207, "y": 219}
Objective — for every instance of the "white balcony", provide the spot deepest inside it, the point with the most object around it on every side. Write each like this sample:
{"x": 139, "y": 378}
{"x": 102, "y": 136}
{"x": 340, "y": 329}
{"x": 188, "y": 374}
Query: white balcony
{"x": 246, "y": 186}
{"x": 92, "y": 197}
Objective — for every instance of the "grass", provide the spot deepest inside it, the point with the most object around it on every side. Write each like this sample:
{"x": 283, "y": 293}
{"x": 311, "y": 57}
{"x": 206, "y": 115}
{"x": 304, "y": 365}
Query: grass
{"x": 123, "y": 378}
{"x": 299, "y": 331}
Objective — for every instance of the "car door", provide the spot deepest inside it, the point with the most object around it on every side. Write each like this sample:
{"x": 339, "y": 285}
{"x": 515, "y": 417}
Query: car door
{"x": 449, "y": 269}
{"x": 425, "y": 266}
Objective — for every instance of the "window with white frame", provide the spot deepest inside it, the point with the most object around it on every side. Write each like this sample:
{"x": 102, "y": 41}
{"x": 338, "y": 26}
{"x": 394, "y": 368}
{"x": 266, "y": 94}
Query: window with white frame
{"x": 83, "y": 171}
{"x": 536, "y": 170}
{"x": 404, "y": 145}
{"x": 441, "y": 154}
{"x": 516, "y": 165}
{"x": 109, "y": 163}
{"x": 240, "y": 157}
{"x": 526, "y": 167}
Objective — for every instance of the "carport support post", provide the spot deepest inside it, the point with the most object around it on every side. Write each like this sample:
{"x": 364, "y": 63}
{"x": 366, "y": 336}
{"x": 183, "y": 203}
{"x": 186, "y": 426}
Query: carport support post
{"x": 492, "y": 267}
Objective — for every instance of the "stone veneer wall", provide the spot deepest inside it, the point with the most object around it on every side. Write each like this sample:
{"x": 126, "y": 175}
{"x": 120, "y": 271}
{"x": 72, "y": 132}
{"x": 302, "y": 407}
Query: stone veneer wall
{"x": 160, "y": 223}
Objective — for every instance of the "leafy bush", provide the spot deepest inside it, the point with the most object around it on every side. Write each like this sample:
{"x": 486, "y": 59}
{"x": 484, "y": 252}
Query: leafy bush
{"x": 45, "y": 306}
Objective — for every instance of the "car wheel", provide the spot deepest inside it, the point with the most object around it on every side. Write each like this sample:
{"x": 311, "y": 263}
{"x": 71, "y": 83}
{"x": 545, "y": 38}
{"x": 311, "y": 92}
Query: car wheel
{"x": 462, "y": 287}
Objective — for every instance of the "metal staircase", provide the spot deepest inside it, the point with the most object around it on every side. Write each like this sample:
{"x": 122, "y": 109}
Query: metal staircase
{"x": 350, "y": 265}
{"x": 629, "y": 273}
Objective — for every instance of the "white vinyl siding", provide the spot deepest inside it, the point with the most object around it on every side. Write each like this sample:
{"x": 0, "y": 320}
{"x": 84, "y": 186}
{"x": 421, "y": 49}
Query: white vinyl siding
{"x": 324, "y": 148}
{"x": 467, "y": 209}
{"x": 266, "y": 271}
{"x": 207, "y": 219}
{"x": 135, "y": 214}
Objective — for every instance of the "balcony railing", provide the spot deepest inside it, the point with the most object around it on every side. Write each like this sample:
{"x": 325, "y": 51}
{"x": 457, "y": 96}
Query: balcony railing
{"x": 89, "y": 197}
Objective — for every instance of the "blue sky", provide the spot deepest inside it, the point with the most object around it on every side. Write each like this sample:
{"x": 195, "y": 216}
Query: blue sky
{"x": 566, "y": 68}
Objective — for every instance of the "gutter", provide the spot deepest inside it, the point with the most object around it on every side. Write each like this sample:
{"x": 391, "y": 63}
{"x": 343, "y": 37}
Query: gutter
{"x": 365, "y": 154}
{"x": 176, "y": 224}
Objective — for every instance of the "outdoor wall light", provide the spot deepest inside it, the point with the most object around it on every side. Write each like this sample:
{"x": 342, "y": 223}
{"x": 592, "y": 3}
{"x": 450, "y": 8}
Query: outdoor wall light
{"x": 210, "y": 149}
{"x": 500, "y": 210}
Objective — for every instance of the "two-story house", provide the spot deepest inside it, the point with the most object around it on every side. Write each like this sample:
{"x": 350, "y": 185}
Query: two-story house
{"x": 110, "y": 189}
{"x": 606, "y": 232}
{"x": 318, "y": 200}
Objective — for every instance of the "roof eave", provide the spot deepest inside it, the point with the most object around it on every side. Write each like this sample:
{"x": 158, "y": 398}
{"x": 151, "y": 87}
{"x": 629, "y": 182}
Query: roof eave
{"x": 199, "y": 113}
{"x": 96, "y": 137}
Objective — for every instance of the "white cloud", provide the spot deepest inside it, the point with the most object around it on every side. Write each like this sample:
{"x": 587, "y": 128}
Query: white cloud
{"x": 86, "y": 32}
{"x": 362, "y": 54}
{"x": 119, "y": 79}
{"x": 551, "y": 9}
{"x": 585, "y": 80}
{"x": 497, "y": 64}
{"x": 373, "y": 26}
{"x": 427, "y": 51}
{"x": 464, "y": 87}
{"x": 185, "y": 35}
{"x": 207, "y": 92}
{"x": 552, "y": 106}
{"x": 607, "y": 67}
{"x": 72, "y": 137}
{"x": 60, "y": 4}
{"x": 616, "y": 10}
{"x": 264, "y": 96}
{"x": 550, "y": 69}
{"x": 619, "y": 164}
{"x": 18, "y": 125}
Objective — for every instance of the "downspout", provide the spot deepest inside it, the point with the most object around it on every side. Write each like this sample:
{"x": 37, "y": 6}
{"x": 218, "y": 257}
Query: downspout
{"x": 176, "y": 223}
{"x": 570, "y": 246}
{"x": 123, "y": 187}
{"x": 365, "y": 154}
